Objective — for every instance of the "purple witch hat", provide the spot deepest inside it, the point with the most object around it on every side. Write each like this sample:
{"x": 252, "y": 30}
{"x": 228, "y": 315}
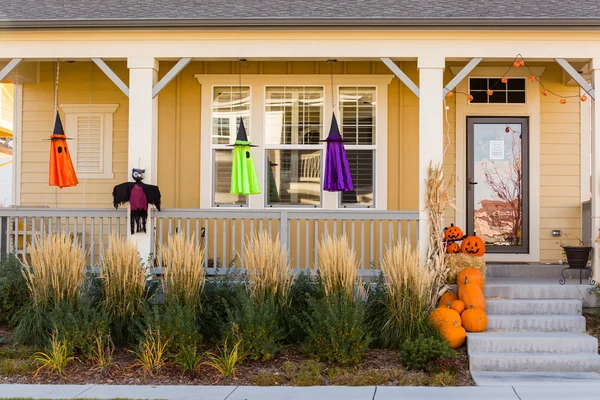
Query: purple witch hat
{"x": 337, "y": 169}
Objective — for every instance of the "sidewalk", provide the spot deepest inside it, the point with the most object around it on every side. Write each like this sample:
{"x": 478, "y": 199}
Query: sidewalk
{"x": 299, "y": 393}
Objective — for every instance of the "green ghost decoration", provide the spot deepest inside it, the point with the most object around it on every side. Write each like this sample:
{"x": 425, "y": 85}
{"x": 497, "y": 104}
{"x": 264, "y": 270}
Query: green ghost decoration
{"x": 243, "y": 171}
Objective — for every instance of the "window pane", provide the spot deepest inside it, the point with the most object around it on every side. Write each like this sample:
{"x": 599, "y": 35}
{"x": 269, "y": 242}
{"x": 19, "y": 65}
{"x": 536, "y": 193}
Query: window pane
{"x": 363, "y": 172}
{"x": 479, "y": 97}
{"x": 516, "y": 84}
{"x": 294, "y": 115}
{"x": 222, "y": 160}
{"x": 229, "y": 105}
{"x": 478, "y": 84}
{"x": 496, "y": 84}
{"x": 516, "y": 97}
{"x": 498, "y": 97}
{"x": 294, "y": 177}
{"x": 358, "y": 111}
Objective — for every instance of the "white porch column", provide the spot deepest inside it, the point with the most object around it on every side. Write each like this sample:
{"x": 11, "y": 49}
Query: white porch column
{"x": 143, "y": 133}
{"x": 431, "y": 131}
{"x": 595, "y": 70}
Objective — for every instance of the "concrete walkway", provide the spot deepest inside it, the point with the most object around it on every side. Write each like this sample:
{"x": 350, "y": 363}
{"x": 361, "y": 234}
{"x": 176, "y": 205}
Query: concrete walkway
{"x": 298, "y": 393}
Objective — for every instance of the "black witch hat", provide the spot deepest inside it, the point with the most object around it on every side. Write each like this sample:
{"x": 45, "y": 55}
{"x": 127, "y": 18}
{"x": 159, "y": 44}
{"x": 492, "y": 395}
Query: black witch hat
{"x": 242, "y": 136}
{"x": 58, "y": 130}
{"x": 334, "y": 132}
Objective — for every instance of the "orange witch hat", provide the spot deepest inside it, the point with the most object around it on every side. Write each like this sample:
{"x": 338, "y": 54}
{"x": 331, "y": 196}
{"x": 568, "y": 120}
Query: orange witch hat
{"x": 62, "y": 173}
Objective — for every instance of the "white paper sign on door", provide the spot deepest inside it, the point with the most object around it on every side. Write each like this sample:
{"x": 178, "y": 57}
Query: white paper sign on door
{"x": 496, "y": 149}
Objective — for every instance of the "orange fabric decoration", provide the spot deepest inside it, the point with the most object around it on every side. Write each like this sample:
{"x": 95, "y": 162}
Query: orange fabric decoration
{"x": 61, "y": 172}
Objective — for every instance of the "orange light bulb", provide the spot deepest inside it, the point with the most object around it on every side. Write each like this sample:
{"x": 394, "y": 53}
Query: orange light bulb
{"x": 470, "y": 98}
{"x": 450, "y": 94}
{"x": 516, "y": 64}
{"x": 522, "y": 63}
{"x": 490, "y": 92}
{"x": 545, "y": 93}
{"x": 563, "y": 101}
{"x": 532, "y": 78}
{"x": 583, "y": 98}
{"x": 504, "y": 79}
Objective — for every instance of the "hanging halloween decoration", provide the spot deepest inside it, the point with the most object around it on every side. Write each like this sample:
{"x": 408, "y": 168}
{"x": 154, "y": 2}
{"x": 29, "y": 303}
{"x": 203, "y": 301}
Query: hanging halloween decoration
{"x": 473, "y": 246}
{"x": 244, "y": 179}
{"x": 61, "y": 171}
{"x": 453, "y": 233}
{"x": 337, "y": 169}
{"x": 139, "y": 195}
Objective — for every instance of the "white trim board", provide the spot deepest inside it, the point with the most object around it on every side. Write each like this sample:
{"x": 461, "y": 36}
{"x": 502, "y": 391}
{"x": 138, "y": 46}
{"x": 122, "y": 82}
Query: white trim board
{"x": 257, "y": 84}
{"x": 530, "y": 109}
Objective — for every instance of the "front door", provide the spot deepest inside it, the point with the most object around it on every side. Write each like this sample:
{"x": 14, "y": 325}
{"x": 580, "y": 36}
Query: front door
{"x": 498, "y": 182}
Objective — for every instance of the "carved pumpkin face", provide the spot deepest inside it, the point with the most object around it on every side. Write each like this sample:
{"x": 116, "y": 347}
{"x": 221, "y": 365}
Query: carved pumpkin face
{"x": 452, "y": 233}
{"x": 452, "y": 248}
{"x": 473, "y": 246}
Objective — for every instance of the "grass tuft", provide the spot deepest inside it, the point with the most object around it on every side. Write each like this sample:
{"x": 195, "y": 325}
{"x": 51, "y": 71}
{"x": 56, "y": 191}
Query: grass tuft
{"x": 337, "y": 265}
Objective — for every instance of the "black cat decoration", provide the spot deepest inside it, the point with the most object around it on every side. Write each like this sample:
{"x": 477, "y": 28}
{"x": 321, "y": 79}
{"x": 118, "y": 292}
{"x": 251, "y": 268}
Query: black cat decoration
{"x": 139, "y": 195}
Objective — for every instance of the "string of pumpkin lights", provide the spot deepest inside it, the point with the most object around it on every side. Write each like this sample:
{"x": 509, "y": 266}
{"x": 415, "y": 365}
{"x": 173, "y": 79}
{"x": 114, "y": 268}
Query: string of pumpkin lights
{"x": 519, "y": 62}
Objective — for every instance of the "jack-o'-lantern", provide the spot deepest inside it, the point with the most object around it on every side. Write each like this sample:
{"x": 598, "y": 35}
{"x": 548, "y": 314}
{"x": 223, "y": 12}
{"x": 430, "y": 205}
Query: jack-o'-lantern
{"x": 452, "y": 248}
{"x": 473, "y": 246}
{"x": 452, "y": 233}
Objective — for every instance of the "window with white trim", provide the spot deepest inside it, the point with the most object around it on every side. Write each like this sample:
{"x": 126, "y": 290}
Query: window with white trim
{"x": 509, "y": 90}
{"x": 288, "y": 117}
{"x": 91, "y": 129}
{"x": 230, "y": 104}
{"x": 293, "y": 129}
{"x": 358, "y": 116}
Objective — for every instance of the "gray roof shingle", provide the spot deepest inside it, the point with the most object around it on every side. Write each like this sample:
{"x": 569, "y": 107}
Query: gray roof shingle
{"x": 36, "y": 13}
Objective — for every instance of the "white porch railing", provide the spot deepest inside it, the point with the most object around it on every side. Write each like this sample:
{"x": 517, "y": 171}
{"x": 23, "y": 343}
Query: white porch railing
{"x": 221, "y": 232}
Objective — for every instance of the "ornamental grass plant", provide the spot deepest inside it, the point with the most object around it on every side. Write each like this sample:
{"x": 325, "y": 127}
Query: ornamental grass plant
{"x": 338, "y": 265}
{"x": 184, "y": 274}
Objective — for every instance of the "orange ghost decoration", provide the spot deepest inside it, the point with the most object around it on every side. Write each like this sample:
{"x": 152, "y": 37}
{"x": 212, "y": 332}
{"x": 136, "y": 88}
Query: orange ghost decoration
{"x": 62, "y": 173}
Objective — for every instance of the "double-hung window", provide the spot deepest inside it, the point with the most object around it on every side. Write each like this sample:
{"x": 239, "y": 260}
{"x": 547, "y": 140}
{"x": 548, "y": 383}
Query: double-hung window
{"x": 293, "y": 129}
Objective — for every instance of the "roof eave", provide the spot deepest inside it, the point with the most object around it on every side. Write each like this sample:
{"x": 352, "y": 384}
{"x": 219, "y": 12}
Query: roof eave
{"x": 308, "y": 23}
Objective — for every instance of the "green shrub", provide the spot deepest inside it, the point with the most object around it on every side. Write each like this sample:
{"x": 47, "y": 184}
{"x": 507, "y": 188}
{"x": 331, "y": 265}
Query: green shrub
{"x": 376, "y": 310}
{"x": 266, "y": 379}
{"x": 14, "y": 367}
{"x": 307, "y": 373}
{"x": 306, "y": 286}
{"x": 13, "y": 290}
{"x": 218, "y": 296}
{"x": 335, "y": 330}
{"x": 33, "y": 328}
{"x": 188, "y": 358}
{"x": 257, "y": 326}
{"x": 176, "y": 323}
{"x": 424, "y": 353}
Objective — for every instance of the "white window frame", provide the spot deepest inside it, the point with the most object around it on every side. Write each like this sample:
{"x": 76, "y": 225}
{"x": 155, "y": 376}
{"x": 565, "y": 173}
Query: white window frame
{"x": 489, "y": 76}
{"x": 106, "y": 112}
{"x": 258, "y": 84}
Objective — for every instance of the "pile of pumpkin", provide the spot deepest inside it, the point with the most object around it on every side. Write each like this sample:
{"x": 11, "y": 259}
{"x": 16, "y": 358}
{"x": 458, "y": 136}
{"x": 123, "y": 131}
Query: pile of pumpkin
{"x": 470, "y": 245}
{"x": 457, "y": 315}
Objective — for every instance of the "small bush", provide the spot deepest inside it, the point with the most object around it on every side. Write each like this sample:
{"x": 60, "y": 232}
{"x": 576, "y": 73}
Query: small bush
{"x": 257, "y": 326}
{"x": 267, "y": 379}
{"x": 34, "y": 327}
{"x": 15, "y": 367}
{"x": 218, "y": 296}
{"x": 335, "y": 330}
{"x": 176, "y": 324}
{"x": 225, "y": 362}
{"x": 307, "y": 373}
{"x": 152, "y": 352}
{"x": 188, "y": 358}
{"x": 306, "y": 286}
{"x": 56, "y": 358}
{"x": 13, "y": 290}
{"x": 442, "y": 379}
{"x": 419, "y": 354}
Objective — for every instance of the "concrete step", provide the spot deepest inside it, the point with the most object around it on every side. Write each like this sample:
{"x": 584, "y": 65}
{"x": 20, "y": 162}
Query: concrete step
{"x": 533, "y": 271}
{"x": 489, "y": 378}
{"x": 536, "y": 323}
{"x": 538, "y": 289}
{"x": 531, "y": 342}
{"x": 534, "y": 307}
{"x": 528, "y": 362}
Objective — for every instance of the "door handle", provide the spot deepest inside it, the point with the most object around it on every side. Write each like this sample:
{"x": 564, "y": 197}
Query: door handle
{"x": 472, "y": 183}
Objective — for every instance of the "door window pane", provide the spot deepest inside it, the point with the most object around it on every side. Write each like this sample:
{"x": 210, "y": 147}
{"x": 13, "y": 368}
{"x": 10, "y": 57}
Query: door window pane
{"x": 293, "y": 177}
{"x": 222, "y": 161}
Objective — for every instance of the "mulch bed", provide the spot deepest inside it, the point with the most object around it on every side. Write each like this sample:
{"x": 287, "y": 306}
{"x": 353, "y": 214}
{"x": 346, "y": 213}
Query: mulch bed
{"x": 124, "y": 371}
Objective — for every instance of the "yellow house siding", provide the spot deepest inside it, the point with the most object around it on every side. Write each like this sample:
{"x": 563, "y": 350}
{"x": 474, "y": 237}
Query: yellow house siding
{"x": 38, "y": 122}
{"x": 560, "y": 164}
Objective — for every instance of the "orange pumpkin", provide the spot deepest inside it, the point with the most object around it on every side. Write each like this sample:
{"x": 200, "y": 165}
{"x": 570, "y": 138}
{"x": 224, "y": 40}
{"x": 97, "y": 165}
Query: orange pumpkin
{"x": 473, "y": 275}
{"x": 452, "y": 233}
{"x": 473, "y": 246}
{"x": 453, "y": 333}
{"x": 446, "y": 298}
{"x": 452, "y": 248}
{"x": 442, "y": 315}
{"x": 474, "y": 320}
{"x": 472, "y": 295}
{"x": 458, "y": 306}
